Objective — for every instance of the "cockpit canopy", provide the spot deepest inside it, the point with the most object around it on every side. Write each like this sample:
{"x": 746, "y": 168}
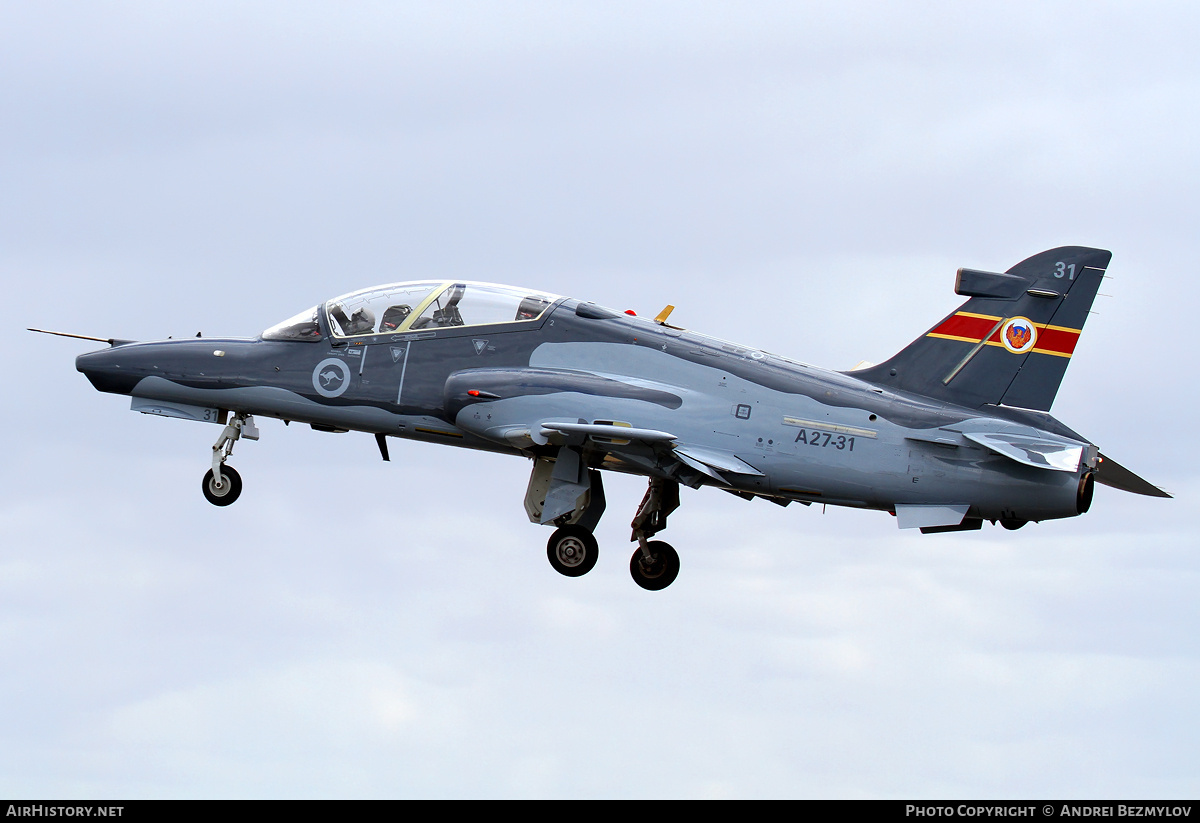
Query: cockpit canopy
{"x": 303, "y": 326}
{"x": 404, "y": 307}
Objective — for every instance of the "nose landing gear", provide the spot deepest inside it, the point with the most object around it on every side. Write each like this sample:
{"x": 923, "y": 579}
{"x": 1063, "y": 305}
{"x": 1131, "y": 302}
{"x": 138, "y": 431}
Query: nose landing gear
{"x": 222, "y": 485}
{"x": 224, "y": 491}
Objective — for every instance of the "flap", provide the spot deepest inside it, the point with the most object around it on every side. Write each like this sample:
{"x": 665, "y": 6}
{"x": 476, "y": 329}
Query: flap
{"x": 714, "y": 458}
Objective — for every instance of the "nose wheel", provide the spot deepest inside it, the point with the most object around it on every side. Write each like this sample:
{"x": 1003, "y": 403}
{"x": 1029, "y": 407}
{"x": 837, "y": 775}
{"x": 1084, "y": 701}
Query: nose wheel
{"x": 223, "y": 491}
{"x": 222, "y": 484}
{"x": 572, "y": 550}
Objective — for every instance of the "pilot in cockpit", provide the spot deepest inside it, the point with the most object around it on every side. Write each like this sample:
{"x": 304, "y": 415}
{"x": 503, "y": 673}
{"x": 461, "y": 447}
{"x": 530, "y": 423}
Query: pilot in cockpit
{"x": 531, "y": 307}
{"x": 361, "y": 322}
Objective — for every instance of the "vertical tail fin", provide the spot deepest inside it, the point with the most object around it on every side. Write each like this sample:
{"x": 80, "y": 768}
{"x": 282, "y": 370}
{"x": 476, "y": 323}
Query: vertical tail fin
{"x": 1011, "y": 341}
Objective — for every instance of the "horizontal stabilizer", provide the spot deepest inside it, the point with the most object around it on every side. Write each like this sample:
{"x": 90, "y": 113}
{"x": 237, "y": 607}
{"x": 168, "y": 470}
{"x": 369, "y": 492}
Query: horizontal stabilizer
{"x": 1041, "y": 453}
{"x": 1111, "y": 473}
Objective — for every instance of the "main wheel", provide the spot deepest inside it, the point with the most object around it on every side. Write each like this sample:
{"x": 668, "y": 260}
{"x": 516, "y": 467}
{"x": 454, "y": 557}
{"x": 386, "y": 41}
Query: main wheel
{"x": 1012, "y": 524}
{"x": 572, "y": 550}
{"x": 657, "y": 572}
{"x": 227, "y": 492}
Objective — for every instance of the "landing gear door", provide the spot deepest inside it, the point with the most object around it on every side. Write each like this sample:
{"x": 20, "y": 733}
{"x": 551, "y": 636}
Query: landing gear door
{"x": 563, "y": 490}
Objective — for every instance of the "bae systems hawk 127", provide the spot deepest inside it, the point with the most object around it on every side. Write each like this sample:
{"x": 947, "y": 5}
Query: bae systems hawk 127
{"x": 952, "y": 431}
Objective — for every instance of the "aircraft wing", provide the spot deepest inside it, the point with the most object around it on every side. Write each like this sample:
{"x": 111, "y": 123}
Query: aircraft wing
{"x": 1112, "y": 473}
{"x": 705, "y": 460}
{"x": 608, "y": 433}
{"x": 712, "y": 461}
{"x": 513, "y": 394}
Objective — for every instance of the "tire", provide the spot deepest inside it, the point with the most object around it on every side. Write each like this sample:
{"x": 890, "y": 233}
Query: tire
{"x": 572, "y": 551}
{"x": 229, "y": 490}
{"x": 660, "y": 571}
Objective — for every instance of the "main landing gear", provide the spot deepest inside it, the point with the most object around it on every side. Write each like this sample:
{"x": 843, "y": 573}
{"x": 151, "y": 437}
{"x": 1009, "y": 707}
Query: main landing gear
{"x": 222, "y": 484}
{"x": 572, "y": 550}
{"x": 655, "y": 564}
{"x": 567, "y": 494}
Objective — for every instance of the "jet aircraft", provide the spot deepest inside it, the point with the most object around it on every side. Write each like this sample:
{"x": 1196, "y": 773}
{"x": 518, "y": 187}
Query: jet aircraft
{"x": 952, "y": 431}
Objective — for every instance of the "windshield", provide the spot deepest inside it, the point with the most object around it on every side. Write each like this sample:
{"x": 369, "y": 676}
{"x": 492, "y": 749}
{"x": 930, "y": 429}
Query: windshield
{"x": 403, "y": 307}
{"x": 303, "y": 326}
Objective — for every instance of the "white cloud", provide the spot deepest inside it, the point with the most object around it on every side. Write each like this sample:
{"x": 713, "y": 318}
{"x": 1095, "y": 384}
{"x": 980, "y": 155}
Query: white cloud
{"x": 801, "y": 178}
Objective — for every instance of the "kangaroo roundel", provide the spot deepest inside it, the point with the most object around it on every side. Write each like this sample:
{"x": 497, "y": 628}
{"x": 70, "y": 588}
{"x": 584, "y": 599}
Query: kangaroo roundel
{"x": 331, "y": 377}
{"x": 1018, "y": 334}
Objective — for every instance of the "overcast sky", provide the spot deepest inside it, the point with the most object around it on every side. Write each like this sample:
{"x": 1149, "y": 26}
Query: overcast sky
{"x": 801, "y": 177}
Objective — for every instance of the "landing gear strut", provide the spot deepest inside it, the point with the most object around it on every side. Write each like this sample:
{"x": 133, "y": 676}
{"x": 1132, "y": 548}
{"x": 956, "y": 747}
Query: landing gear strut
{"x": 222, "y": 484}
{"x": 565, "y": 493}
{"x": 654, "y": 564}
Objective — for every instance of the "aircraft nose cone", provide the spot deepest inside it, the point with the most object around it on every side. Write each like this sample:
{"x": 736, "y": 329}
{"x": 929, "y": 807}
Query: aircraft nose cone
{"x": 109, "y": 370}
{"x": 211, "y": 363}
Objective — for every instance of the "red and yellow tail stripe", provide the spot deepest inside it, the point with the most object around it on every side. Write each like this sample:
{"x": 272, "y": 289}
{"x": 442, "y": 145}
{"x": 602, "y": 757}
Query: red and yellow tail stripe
{"x": 971, "y": 328}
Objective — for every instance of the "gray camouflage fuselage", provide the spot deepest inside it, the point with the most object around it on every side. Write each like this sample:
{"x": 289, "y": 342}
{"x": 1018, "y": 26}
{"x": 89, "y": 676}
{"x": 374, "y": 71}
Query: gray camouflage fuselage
{"x": 742, "y": 419}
